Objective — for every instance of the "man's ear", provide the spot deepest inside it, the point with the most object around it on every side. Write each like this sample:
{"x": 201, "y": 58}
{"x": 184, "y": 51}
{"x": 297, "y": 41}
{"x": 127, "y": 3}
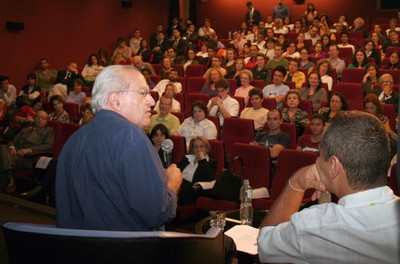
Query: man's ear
{"x": 336, "y": 167}
{"x": 114, "y": 101}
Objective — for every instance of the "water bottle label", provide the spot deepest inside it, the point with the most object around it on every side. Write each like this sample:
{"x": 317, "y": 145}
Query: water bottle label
{"x": 250, "y": 194}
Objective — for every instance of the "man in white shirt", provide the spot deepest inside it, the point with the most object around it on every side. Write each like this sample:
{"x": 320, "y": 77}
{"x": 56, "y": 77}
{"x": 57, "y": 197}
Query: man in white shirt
{"x": 344, "y": 37}
{"x": 313, "y": 35}
{"x": 223, "y": 105}
{"x": 8, "y": 92}
{"x": 173, "y": 77}
{"x": 279, "y": 28}
{"x": 277, "y": 89}
{"x": 363, "y": 227}
{"x": 334, "y": 59}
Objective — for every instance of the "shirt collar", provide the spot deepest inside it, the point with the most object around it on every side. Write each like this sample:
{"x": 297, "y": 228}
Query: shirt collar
{"x": 369, "y": 197}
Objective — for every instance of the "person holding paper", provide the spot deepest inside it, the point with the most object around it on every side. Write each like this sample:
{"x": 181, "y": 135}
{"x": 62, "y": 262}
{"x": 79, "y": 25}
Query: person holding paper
{"x": 363, "y": 227}
{"x": 197, "y": 166}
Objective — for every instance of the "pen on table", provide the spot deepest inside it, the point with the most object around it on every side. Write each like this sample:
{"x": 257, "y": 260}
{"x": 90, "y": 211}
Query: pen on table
{"x": 233, "y": 220}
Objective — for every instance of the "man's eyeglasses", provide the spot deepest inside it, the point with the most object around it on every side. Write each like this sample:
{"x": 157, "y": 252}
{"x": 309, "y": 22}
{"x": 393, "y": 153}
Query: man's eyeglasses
{"x": 386, "y": 82}
{"x": 144, "y": 93}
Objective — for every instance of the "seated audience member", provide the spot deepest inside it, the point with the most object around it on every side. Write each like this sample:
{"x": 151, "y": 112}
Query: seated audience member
{"x": 300, "y": 41}
{"x": 230, "y": 60}
{"x": 31, "y": 90}
{"x": 206, "y": 33}
{"x": 76, "y": 96}
{"x": 4, "y": 120}
{"x": 344, "y": 41}
{"x": 238, "y": 42}
{"x": 174, "y": 24}
{"x": 170, "y": 91}
{"x": 318, "y": 53}
{"x": 235, "y": 74}
{"x": 8, "y": 92}
{"x": 139, "y": 64}
{"x": 336, "y": 103}
{"x": 144, "y": 51}
{"x": 191, "y": 36}
{"x": 269, "y": 21}
{"x": 379, "y": 42}
{"x": 178, "y": 45}
{"x": 35, "y": 139}
{"x": 251, "y": 60}
{"x": 270, "y": 48}
{"x": 358, "y": 26}
{"x": 197, "y": 124}
{"x": 222, "y": 105}
{"x": 360, "y": 60}
{"x": 171, "y": 52}
{"x": 311, "y": 141}
{"x": 324, "y": 69}
{"x": 387, "y": 95}
{"x": 104, "y": 58}
{"x": 134, "y": 42}
{"x": 393, "y": 39}
{"x": 215, "y": 64}
{"x": 370, "y": 78}
{"x": 278, "y": 60}
{"x": 243, "y": 91}
{"x": 393, "y": 25}
{"x": 260, "y": 71}
{"x": 203, "y": 51}
{"x": 158, "y": 134}
{"x": 279, "y": 28}
{"x": 86, "y": 111}
{"x": 305, "y": 63}
{"x": 197, "y": 166}
{"x": 190, "y": 59}
{"x": 370, "y": 52}
{"x": 256, "y": 111}
{"x": 393, "y": 61}
{"x": 313, "y": 35}
{"x": 294, "y": 75}
{"x": 65, "y": 81}
{"x": 213, "y": 76}
{"x": 160, "y": 47}
{"x": 147, "y": 75}
{"x": 325, "y": 41}
{"x": 164, "y": 116}
{"x": 293, "y": 114}
{"x": 166, "y": 67}
{"x": 260, "y": 42}
{"x": 283, "y": 40}
{"x": 291, "y": 51}
{"x": 122, "y": 54}
{"x": 277, "y": 89}
{"x": 172, "y": 78}
{"x": 246, "y": 50}
{"x": 92, "y": 68}
{"x": 45, "y": 77}
{"x": 274, "y": 139}
{"x": 335, "y": 61}
{"x": 252, "y": 37}
{"x": 359, "y": 182}
{"x": 314, "y": 91}
{"x": 373, "y": 106}
{"x": 59, "y": 114}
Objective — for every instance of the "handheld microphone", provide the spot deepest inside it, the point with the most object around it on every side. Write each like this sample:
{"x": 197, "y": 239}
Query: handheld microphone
{"x": 167, "y": 145}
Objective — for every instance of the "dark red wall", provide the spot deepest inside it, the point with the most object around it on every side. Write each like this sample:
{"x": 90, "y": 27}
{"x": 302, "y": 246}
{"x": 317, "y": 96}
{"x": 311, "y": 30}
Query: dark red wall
{"x": 65, "y": 31}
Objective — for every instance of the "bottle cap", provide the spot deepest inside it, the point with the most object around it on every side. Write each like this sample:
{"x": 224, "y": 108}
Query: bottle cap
{"x": 246, "y": 181}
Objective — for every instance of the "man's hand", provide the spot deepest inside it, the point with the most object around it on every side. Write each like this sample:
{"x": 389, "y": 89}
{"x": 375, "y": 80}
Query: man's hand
{"x": 23, "y": 152}
{"x": 174, "y": 178}
{"x": 308, "y": 178}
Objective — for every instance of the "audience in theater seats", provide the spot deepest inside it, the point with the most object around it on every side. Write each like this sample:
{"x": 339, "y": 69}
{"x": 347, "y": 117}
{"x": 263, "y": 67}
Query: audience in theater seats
{"x": 360, "y": 60}
{"x": 212, "y": 77}
{"x": 191, "y": 36}
{"x": 243, "y": 91}
{"x": 91, "y": 69}
{"x": 279, "y": 28}
{"x": 310, "y": 142}
{"x": 336, "y": 103}
{"x": 134, "y": 42}
{"x": 173, "y": 77}
{"x": 197, "y": 124}
{"x": 147, "y": 75}
{"x": 373, "y": 106}
{"x": 223, "y": 106}
{"x": 274, "y": 139}
{"x": 238, "y": 42}
{"x": 291, "y": 51}
{"x": 138, "y": 63}
{"x": 178, "y": 43}
{"x": 145, "y": 51}
{"x": 260, "y": 71}
{"x": 206, "y": 33}
{"x": 252, "y": 37}
{"x": 172, "y": 53}
{"x": 370, "y": 52}
{"x": 394, "y": 62}
{"x": 45, "y": 77}
{"x": 324, "y": 69}
{"x": 197, "y": 166}
{"x": 313, "y": 35}
{"x": 305, "y": 63}
{"x": 256, "y": 111}
{"x": 277, "y": 89}
{"x": 166, "y": 67}
{"x": 353, "y": 164}
{"x": 314, "y": 91}
{"x": 35, "y": 139}
{"x": 386, "y": 94}
{"x": 370, "y": 78}
{"x": 216, "y": 65}
{"x": 31, "y": 90}
{"x": 160, "y": 46}
{"x": 293, "y": 114}
{"x": 158, "y": 134}
{"x": 122, "y": 54}
{"x": 57, "y": 105}
{"x": 260, "y": 42}
{"x": 294, "y": 75}
{"x": 65, "y": 79}
{"x": 359, "y": 26}
{"x": 86, "y": 111}
{"x": 8, "y": 92}
{"x": 278, "y": 59}
{"x": 76, "y": 96}
{"x": 344, "y": 41}
{"x": 170, "y": 91}
{"x": 190, "y": 59}
{"x": 230, "y": 60}
{"x": 164, "y": 116}
{"x": 104, "y": 58}
{"x": 336, "y": 62}
{"x": 251, "y": 60}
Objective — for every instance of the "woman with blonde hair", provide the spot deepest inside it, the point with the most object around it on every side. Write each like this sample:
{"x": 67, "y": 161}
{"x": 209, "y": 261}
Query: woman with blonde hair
{"x": 212, "y": 77}
{"x": 246, "y": 76}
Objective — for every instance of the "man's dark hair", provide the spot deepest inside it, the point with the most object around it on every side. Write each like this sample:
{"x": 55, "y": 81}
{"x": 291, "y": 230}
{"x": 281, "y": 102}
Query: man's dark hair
{"x": 256, "y": 91}
{"x": 249, "y": 3}
{"x": 281, "y": 69}
{"x": 200, "y": 104}
{"x": 4, "y": 78}
{"x": 221, "y": 84}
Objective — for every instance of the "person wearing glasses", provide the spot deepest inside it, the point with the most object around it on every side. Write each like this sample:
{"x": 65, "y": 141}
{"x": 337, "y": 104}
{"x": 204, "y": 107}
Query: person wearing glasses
{"x": 109, "y": 175}
{"x": 336, "y": 103}
{"x": 387, "y": 95}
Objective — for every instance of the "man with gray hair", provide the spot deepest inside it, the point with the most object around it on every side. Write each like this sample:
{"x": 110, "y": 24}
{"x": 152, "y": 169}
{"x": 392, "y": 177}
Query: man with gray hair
{"x": 363, "y": 227}
{"x": 109, "y": 175}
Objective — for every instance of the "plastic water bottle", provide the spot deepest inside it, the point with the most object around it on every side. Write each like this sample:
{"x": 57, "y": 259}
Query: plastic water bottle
{"x": 246, "y": 207}
{"x": 230, "y": 35}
